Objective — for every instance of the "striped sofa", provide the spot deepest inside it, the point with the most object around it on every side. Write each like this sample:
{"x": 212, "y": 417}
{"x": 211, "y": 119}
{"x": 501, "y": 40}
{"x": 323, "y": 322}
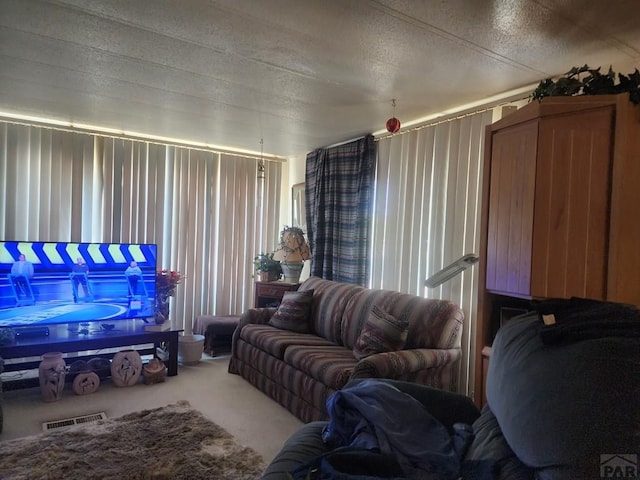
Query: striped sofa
{"x": 301, "y": 370}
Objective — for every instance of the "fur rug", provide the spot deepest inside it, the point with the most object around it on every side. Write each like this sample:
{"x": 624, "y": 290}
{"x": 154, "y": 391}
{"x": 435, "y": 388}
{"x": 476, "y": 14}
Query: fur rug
{"x": 172, "y": 442}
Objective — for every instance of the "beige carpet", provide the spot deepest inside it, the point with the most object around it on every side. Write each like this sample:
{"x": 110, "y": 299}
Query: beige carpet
{"x": 172, "y": 442}
{"x": 228, "y": 400}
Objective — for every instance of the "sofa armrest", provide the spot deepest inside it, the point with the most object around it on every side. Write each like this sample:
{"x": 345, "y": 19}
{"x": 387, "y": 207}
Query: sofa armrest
{"x": 395, "y": 365}
{"x": 301, "y": 448}
{"x": 253, "y": 315}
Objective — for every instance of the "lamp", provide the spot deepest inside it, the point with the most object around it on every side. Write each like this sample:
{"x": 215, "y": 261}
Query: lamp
{"x": 261, "y": 169}
{"x": 451, "y": 270}
{"x": 292, "y": 253}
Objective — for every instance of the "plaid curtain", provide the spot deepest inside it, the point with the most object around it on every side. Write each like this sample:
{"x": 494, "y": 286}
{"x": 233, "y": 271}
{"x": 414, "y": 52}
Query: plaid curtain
{"x": 338, "y": 193}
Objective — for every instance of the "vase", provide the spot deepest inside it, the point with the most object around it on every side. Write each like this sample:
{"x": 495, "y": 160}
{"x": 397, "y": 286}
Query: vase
{"x": 51, "y": 373}
{"x": 85, "y": 383}
{"x": 159, "y": 318}
{"x": 126, "y": 368}
{"x": 161, "y": 309}
{"x": 292, "y": 271}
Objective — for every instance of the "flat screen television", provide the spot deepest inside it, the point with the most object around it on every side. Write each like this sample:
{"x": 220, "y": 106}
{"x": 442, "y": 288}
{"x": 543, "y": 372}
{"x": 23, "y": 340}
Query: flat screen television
{"x": 75, "y": 282}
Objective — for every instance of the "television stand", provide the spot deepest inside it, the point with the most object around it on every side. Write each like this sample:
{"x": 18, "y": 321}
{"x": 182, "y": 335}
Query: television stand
{"x": 127, "y": 334}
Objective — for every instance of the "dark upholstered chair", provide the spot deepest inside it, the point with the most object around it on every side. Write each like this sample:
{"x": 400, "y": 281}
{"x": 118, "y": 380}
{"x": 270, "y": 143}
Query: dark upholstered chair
{"x": 555, "y": 411}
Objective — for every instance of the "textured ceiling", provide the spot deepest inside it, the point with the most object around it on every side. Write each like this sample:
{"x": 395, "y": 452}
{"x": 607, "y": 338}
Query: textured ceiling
{"x": 299, "y": 73}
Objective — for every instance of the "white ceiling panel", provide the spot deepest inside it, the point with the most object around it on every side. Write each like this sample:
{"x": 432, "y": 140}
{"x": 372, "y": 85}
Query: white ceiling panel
{"x": 300, "y": 74}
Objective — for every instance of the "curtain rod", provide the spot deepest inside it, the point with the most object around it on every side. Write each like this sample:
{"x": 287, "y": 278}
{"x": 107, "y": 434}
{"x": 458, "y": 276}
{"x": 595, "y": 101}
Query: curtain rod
{"x": 498, "y": 101}
{"x": 436, "y": 121}
{"x": 345, "y": 142}
{"x": 448, "y": 118}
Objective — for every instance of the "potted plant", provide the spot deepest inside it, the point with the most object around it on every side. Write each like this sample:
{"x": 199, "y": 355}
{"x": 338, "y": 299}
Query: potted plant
{"x": 292, "y": 252}
{"x": 268, "y": 269}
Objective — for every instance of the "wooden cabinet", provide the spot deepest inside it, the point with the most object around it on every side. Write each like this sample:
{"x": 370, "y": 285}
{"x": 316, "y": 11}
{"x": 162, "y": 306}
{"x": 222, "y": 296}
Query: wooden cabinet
{"x": 560, "y": 186}
{"x": 511, "y": 195}
{"x": 549, "y": 205}
{"x": 269, "y": 294}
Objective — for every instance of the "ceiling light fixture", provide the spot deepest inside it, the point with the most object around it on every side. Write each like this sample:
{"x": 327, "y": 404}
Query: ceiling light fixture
{"x": 261, "y": 170}
{"x": 393, "y": 124}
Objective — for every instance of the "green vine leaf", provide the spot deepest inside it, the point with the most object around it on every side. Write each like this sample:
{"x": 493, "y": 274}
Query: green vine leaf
{"x": 590, "y": 81}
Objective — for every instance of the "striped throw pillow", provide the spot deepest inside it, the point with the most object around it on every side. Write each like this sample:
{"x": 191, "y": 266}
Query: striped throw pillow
{"x": 294, "y": 312}
{"x": 382, "y": 332}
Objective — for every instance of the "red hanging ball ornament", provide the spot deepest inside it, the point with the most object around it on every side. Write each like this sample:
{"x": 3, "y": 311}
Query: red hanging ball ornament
{"x": 393, "y": 125}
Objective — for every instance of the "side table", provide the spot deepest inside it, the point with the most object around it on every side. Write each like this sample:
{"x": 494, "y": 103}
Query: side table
{"x": 269, "y": 294}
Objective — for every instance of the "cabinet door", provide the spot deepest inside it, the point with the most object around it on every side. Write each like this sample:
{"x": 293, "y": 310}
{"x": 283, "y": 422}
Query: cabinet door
{"x": 573, "y": 183}
{"x": 511, "y": 200}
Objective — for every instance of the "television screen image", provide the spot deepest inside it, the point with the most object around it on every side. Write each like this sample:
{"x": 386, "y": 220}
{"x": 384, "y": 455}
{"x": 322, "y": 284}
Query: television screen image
{"x": 46, "y": 283}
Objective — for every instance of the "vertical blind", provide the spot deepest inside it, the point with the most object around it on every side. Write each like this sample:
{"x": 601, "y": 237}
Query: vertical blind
{"x": 207, "y": 211}
{"x": 427, "y": 214}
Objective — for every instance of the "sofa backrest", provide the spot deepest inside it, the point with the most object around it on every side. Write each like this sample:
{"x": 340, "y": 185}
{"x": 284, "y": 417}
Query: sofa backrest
{"x": 432, "y": 323}
{"x": 327, "y": 307}
{"x": 339, "y": 311}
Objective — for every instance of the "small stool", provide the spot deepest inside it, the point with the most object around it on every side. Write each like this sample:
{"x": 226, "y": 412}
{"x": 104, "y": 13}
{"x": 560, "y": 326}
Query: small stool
{"x": 213, "y": 327}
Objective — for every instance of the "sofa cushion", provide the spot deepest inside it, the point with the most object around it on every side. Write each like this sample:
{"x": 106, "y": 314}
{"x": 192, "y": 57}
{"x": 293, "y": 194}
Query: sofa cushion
{"x": 331, "y": 365}
{"x": 562, "y": 406}
{"x": 275, "y": 340}
{"x": 382, "y": 332}
{"x": 432, "y": 323}
{"x": 330, "y": 299}
{"x": 294, "y": 312}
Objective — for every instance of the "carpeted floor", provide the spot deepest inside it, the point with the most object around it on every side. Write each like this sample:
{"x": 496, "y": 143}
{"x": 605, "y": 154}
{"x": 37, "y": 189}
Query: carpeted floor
{"x": 172, "y": 442}
{"x": 230, "y": 401}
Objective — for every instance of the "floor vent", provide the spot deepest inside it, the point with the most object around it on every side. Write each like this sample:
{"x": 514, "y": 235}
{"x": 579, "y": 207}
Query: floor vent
{"x": 70, "y": 422}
